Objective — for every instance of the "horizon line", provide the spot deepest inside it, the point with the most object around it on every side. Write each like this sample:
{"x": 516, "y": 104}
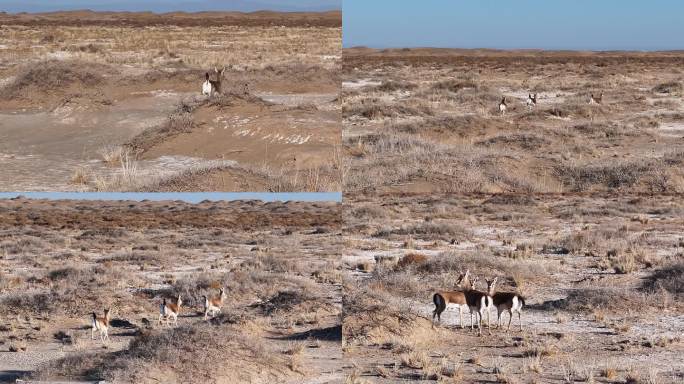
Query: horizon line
{"x": 515, "y": 49}
{"x": 166, "y": 12}
{"x": 188, "y": 197}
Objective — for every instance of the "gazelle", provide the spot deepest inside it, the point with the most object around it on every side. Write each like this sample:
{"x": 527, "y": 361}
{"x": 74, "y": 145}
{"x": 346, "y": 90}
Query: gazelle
{"x": 212, "y": 307}
{"x": 211, "y": 87}
{"x": 531, "y": 101}
{"x": 443, "y": 298}
{"x": 480, "y": 303}
{"x": 510, "y": 302}
{"x": 502, "y": 106}
{"x": 100, "y": 324}
{"x": 169, "y": 311}
{"x": 596, "y": 99}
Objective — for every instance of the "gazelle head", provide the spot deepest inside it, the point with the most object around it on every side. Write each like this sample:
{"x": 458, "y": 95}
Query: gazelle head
{"x": 473, "y": 282}
{"x": 503, "y": 100}
{"x": 463, "y": 278}
{"x": 219, "y": 74}
{"x": 206, "y": 76}
{"x": 490, "y": 285}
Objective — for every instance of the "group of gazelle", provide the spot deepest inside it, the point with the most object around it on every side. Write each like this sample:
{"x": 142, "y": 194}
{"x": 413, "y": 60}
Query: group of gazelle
{"x": 478, "y": 302}
{"x": 168, "y": 313}
{"x": 532, "y": 101}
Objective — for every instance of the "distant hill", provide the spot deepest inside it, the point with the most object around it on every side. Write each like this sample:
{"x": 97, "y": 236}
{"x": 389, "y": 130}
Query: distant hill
{"x": 16, "y": 6}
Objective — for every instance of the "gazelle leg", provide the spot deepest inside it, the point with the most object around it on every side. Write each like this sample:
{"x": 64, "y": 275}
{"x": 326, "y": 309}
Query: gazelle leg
{"x": 460, "y": 316}
{"x": 510, "y": 313}
{"x": 519, "y": 320}
{"x": 489, "y": 321}
{"x": 479, "y": 323}
{"x": 92, "y": 333}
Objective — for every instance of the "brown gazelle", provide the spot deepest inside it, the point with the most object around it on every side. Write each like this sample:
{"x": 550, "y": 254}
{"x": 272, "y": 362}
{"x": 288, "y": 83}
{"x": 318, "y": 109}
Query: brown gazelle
{"x": 596, "y": 99}
{"x": 457, "y": 298}
{"x": 169, "y": 311}
{"x": 503, "y": 106}
{"x": 480, "y": 303}
{"x": 510, "y": 302}
{"x": 211, "y": 87}
{"x": 100, "y": 324}
{"x": 212, "y": 306}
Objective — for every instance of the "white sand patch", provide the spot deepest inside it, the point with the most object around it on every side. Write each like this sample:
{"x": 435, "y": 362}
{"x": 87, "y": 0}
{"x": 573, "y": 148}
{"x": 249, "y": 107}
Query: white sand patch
{"x": 356, "y": 84}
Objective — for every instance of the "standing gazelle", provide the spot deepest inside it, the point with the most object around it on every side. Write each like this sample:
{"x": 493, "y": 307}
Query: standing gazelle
{"x": 531, "y": 101}
{"x": 212, "y": 306}
{"x": 480, "y": 303}
{"x": 169, "y": 311}
{"x": 100, "y": 324}
{"x": 508, "y": 302}
{"x": 443, "y": 298}
{"x": 502, "y": 106}
{"x": 596, "y": 99}
{"x": 211, "y": 87}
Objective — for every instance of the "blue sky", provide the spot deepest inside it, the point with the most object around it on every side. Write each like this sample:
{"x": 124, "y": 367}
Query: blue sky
{"x": 14, "y": 6}
{"x": 546, "y": 24}
{"x": 191, "y": 197}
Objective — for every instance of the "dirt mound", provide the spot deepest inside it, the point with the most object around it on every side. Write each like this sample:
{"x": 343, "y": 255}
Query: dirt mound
{"x": 211, "y": 180}
{"x": 54, "y": 76}
{"x": 55, "y": 82}
{"x": 182, "y": 121}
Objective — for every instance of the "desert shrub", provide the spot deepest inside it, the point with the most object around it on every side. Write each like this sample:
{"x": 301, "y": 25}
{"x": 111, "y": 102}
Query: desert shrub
{"x": 668, "y": 87}
{"x": 669, "y": 278}
{"x": 461, "y": 125}
{"x": 392, "y": 86}
{"x": 64, "y": 274}
{"x": 429, "y": 231}
{"x": 411, "y": 259}
{"x": 522, "y": 140}
{"x": 373, "y": 109}
{"x": 21, "y": 302}
{"x": 615, "y": 175}
{"x": 454, "y": 85}
{"x": 54, "y": 75}
{"x": 590, "y": 299}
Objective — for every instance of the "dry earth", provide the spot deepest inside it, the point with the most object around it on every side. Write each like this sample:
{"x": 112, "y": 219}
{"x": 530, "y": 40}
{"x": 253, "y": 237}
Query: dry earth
{"x": 601, "y": 275}
{"x": 279, "y": 262}
{"x": 427, "y": 120}
{"x": 79, "y": 90}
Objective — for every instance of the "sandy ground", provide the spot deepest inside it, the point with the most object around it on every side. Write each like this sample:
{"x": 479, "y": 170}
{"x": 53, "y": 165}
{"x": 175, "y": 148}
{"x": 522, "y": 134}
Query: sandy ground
{"x": 557, "y": 251}
{"x": 281, "y": 319}
{"x": 421, "y": 120}
{"x": 81, "y": 92}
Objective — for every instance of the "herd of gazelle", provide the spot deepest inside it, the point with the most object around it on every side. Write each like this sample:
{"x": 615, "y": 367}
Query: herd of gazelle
{"x": 531, "y": 101}
{"x": 168, "y": 314}
{"x": 478, "y": 302}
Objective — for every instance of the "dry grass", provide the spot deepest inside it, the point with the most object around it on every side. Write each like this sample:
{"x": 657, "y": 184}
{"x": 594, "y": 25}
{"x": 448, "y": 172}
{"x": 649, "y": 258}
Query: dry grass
{"x": 76, "y": 258}
{"x": 583, "y": 264}
{"x": 434, "y": 110}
